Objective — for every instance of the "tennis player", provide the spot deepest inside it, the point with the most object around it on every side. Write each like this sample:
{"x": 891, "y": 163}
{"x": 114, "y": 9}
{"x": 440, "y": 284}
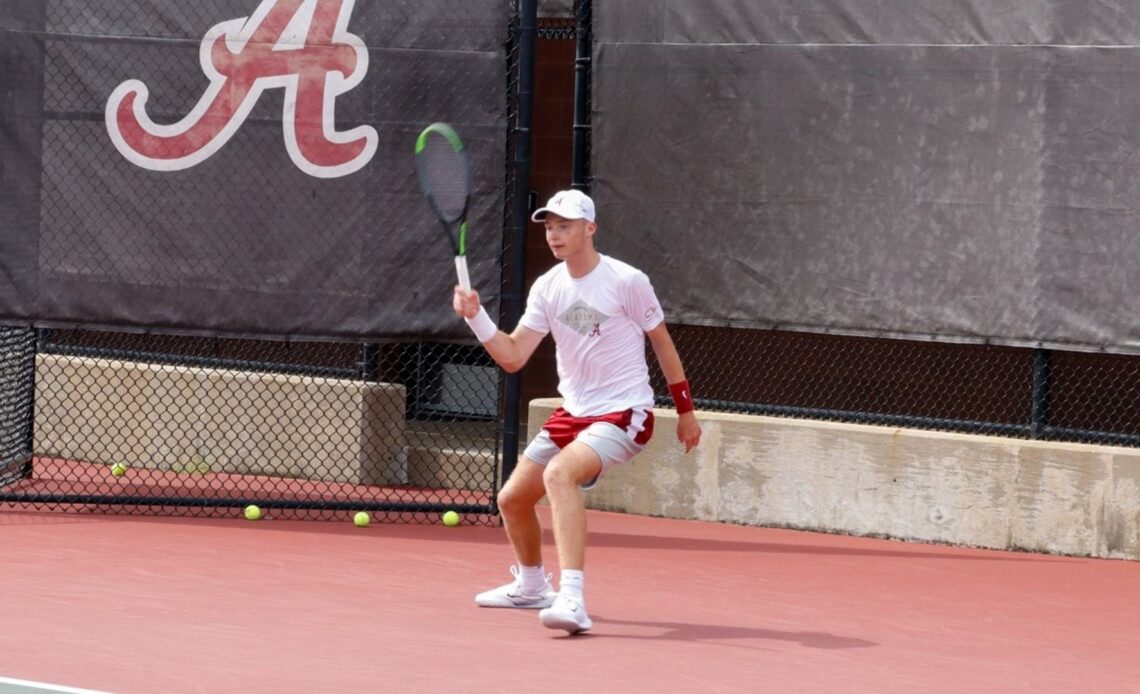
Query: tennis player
{"x": 599, "y": 311}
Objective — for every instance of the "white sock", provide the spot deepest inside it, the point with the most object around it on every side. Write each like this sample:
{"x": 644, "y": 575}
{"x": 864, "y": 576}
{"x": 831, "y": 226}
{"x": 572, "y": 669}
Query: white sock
{"x": 532, "y": 577}
{"x": 571, "y": 582}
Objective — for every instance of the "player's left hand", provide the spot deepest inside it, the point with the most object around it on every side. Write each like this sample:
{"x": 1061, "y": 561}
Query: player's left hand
{"x": 688, "y": 430}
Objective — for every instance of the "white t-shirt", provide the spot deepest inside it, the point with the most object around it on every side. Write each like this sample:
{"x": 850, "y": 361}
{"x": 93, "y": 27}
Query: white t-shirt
{"x": 599, "y": 323}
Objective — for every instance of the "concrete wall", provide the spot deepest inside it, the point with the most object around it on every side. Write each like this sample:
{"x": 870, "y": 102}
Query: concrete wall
{"x": 962, "y": 489}
{"x": 217, "y": 420}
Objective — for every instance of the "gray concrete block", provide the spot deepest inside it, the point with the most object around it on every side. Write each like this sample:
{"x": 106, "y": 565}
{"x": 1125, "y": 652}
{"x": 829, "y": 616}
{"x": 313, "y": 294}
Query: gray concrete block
{"x": 199, "y": 420}
{"x": 962, "y": 489}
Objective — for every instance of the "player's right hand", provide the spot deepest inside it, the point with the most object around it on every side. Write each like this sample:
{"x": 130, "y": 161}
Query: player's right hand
{"x": 465, "y": 302}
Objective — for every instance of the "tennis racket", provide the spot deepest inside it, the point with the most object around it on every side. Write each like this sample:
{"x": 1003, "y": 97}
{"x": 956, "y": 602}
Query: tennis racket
{"x": 445, "y": 177}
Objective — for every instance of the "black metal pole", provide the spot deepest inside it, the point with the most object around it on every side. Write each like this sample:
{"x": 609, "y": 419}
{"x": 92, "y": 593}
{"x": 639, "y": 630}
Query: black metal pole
{"x": 30, "y": 384}
{"x": 513, "y": 297}
{"x": 1042, "y": 378}
{"x": 580, "y": 177}
{"x": 369, "y": 361}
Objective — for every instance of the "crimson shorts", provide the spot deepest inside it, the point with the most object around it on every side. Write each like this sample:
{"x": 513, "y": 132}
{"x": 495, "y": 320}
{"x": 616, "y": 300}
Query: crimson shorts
{"x": 616, "y": 437}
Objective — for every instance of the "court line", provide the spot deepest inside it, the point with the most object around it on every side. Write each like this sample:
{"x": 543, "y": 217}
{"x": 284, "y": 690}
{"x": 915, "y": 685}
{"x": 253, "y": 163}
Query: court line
{"x": 9, "y": 685}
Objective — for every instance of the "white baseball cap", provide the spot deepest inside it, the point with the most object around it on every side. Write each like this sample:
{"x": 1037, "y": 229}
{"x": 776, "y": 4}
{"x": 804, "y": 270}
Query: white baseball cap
{"x": 568, "y": 204}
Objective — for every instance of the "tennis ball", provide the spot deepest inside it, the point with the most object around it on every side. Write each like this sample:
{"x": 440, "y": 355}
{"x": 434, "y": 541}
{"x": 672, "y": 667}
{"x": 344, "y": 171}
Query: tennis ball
{"x": 361, "y": 519}
{"x": 252, "y": 512}
{"x": 118, "y": 469}
{"x": 451, "y": 519}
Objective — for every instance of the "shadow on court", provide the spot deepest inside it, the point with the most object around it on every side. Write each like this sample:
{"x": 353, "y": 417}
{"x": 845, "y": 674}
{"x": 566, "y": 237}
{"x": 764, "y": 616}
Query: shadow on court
{"x": 680, "y": 631}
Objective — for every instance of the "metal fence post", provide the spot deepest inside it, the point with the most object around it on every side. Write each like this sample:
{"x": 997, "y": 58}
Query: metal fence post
{"x": 513, "y": 299}
{"x": 581, "y": 148}
{"x": 1041, "y": 383}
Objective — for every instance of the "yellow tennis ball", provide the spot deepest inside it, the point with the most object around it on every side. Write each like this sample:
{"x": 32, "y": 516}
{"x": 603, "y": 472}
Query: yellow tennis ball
{"x": 252, "y": 512}
{"x": 361, "y": 519}
{"x": 451, "y": 519}
{"x": 118, "y": 469}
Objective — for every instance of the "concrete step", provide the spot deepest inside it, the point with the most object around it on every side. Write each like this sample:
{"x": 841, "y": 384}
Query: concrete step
{"x": 450, "y": 467}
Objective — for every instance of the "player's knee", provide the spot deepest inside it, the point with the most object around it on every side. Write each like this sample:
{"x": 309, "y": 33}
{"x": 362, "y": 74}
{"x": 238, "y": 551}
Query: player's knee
{"x": 558, "y": 475}
{"x": 511, "y": 503}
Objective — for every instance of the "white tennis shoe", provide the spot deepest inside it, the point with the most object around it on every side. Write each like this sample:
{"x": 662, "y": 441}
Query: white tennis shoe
{"x": 566, "y": 613}
{"x": 513, "y": 595}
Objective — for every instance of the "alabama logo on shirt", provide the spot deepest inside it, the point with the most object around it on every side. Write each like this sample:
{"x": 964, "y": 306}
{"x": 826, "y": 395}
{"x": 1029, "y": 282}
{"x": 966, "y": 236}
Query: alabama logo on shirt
{"x": 583, "y": 319}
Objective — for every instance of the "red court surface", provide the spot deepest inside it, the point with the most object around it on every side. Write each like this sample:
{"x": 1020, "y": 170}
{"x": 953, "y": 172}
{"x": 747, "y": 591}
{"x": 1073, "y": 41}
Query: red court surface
{"x": 128, "y": 604}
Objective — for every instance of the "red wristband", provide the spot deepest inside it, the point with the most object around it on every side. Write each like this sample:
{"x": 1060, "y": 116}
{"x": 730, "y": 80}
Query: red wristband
{"x": 682, "y": 396}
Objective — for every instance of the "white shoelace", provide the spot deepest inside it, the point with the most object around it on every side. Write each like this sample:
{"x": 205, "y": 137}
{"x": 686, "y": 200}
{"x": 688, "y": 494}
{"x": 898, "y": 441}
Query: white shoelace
{"x": 521, "y": 588}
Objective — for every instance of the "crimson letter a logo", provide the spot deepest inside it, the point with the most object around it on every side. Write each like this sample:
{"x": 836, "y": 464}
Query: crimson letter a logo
{"x": 301, "y": 46}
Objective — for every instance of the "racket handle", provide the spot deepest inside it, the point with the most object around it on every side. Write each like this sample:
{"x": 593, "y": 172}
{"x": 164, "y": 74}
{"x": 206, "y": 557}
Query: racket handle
{"x": 461, "y": 271}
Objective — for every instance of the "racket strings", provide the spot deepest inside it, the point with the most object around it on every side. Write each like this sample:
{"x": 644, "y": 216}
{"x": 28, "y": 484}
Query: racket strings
{"x": 445, "y": 177}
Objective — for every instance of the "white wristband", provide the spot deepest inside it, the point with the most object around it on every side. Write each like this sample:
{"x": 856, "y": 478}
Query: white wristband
{"x": 482, "y": 325}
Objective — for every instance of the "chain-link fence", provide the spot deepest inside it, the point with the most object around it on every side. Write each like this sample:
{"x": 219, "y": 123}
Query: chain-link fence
{"x": 974, "y": 388}
{"x": 301, "y": 429}
{"x": 980, "y": 389}
{"x": 159, "y": 404}
{"x": 406, "y": 424}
